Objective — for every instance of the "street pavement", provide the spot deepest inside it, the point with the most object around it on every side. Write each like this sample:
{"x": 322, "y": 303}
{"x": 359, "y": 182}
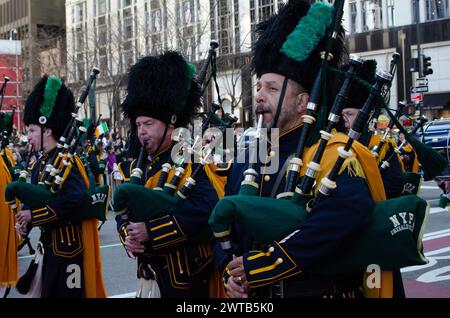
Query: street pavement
{"x": 433, "y": 279}
{"x": 430, "y": 280}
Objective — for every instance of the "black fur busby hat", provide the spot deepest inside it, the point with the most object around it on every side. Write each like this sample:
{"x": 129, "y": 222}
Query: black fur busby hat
{"x": 290, "y": 42}
{"x": 360, "y": 91}
{"x": 162, "y": 87}
{"x": 50, "y": 104}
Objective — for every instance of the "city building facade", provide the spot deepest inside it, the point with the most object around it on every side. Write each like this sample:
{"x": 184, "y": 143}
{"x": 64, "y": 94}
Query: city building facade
{"x": 114, "y": 34}
{"x": 11, "y": 67}
{"x": 40, "y": 26}
{"x": 378, "y": 28}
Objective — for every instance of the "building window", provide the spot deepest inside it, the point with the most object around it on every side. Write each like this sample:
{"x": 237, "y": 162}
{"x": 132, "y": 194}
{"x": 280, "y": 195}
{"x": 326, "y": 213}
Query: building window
{"x": 224, "y": 20}
{"x": 212, "y": 15}
{"x": 353, "y": 16}
{"x": 188, "y": 25}
{"x": 79, "y": 34}
{"x": 156, "y": 20}
{"x": 225, "y": 24}
{"x": 102, "y": 33}
{"x": 103, "y": 59}
{"x": 237, "y": 37}
{"x": 261, "y": 10}
{"x": 124, "y": 3}
{"x": 80, "y": 67}
{"x": 155, "y": 4}
{"x": 186, "y": 12}
{"x": 127, "y": 24}
{"x": 265, "y": 9}
{"x": 79, "y": 12}
{"x": 101, "y": 7}
{"x": 154, "y": 26}
{"x": 156, "y": 44}
{"x": 372, "y": 15}
{"x": 436, "y": 9}
{"x": 414, "y": 11}
{"x": 391, "y": 13}
{"x": 127, "y": 59}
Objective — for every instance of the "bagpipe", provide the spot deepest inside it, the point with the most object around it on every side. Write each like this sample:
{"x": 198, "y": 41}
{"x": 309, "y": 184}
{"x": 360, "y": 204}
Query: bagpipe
{"x": 393, "y": 239}
{"x": 95, "y": 167}
{"x": 411, "y": 179}
{"x": 380, "y": 147}
{"x": 366, "y": 137}
{"x": 128, "y": 197}
{"x": 167, "y": 194}
{"x": 60, "y": 164}
{"x": 23, "y": 176}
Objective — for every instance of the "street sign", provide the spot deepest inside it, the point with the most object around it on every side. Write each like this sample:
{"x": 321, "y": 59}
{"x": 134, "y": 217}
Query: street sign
{"x": 422, "y": 81}
{"x": 416, "y": 97}
{"x": 419, "y": 89}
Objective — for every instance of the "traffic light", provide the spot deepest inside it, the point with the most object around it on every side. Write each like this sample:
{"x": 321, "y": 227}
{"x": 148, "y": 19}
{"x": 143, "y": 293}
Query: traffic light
{"x": 414, "y": 67}
{"x": 426, "y": 65}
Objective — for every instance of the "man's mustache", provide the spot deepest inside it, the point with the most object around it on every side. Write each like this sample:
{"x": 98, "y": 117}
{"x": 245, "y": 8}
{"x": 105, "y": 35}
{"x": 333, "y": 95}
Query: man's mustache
{"x": 261, "y": 109}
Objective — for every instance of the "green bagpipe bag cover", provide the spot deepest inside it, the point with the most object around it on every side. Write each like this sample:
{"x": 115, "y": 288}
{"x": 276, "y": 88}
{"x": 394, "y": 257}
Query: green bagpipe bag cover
{"x": 94, "y": 203}
{"x": 142, "y": 203}
{"x": 278, "y": 218}
{"x": 393, "y": 238}
{"x": 411, "y": 183}
{"x": 32, "y": 195}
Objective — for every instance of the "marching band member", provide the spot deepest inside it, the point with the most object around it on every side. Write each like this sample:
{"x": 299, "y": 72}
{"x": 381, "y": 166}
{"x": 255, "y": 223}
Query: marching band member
{"x": 9, "y": 272}
{"x": 163, "y": 95}
{"x": 67, "y": 262}
{"x": 392, "y": 177}
{"x": 283, "y": 268}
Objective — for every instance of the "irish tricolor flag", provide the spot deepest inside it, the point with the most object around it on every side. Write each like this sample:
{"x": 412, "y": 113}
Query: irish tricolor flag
{"x": 101, "y": 129}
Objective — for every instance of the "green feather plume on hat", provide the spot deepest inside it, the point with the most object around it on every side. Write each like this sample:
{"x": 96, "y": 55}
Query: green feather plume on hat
{"x": 191, "y": 70}
{"x": 308, "y": 32}
{"x": 298, "y": 46}
{"x": 51, "y": 92}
